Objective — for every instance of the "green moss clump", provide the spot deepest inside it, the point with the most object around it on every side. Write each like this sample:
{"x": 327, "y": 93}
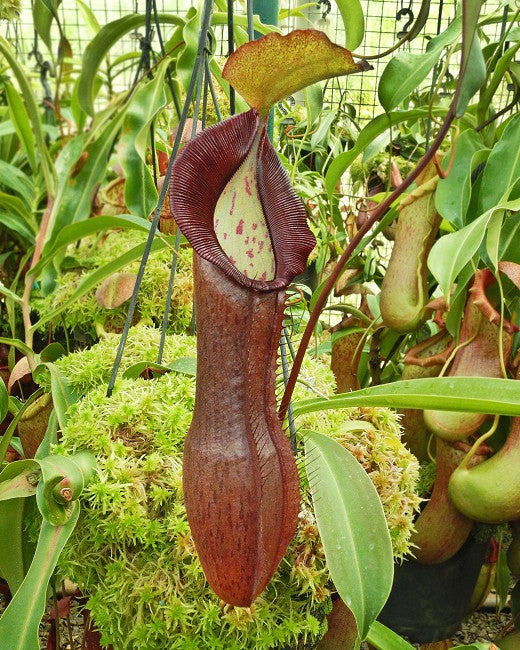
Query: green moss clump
{"x": 10, "y": 9}
{"x": 88, "y": 316}
{"x": 132, "y": 552}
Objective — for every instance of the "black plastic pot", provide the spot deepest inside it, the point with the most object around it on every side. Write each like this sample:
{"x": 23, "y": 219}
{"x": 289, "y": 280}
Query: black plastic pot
{"x": 429, "y": 602}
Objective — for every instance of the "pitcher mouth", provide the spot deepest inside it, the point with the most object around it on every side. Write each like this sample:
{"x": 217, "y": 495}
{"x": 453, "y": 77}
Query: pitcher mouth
{"x": 203, "y": 176}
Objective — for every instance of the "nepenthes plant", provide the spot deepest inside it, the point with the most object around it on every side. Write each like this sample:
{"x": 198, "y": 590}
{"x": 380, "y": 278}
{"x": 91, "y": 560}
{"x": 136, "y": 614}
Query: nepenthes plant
{"x": 234, "y": 203}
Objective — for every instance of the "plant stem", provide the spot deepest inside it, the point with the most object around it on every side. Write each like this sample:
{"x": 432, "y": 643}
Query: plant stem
{"x": 338, "y": 269}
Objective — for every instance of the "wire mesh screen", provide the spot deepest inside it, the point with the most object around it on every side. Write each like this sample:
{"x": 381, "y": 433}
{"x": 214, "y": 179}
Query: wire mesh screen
{"x": 385, "y": 21}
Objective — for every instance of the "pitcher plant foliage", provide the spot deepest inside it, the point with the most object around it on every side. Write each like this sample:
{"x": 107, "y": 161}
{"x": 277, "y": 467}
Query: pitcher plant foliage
{"x": 233, "y": 201}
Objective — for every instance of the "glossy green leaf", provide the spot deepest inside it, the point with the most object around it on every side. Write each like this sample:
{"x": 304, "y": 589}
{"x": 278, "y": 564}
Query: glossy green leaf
{"x": 63, "y": 397}
{"x": 75, "y": 232}
{"x": 494, "y": 230}
{"x": 20, "y": 621}
{"x": 17, "y": 225}
{"x": 503, "y": 166}
{"x": 382, "y": 638}
{"x": 473, "y": 79}
{"x": 450, "y": 254}
{"x": 22, "y": 123}
{"x": 353, "y": 18}
{"x": 43, "y": 13}
{"x": 352, "y": 526}
{"x": 453, "y": 192}
{"x": 502, "y": 579}
{"x": 185, "y": 365}
{"x": 12, "y": 532}
{"x": 101, "y": 44}
{"x": 89, "y": 17}
{"x": 97, "y": 276}
{"x": 33, "y": 112}
{"x": 475, "y": 394}
{"x": 499, "y": 71}
{"x": 148, "y": 100}
{"x": 74, "y": 200}
{"x": 16, "y": 180}
{"x": 4, "y": 399}
{"x": 368, "y": 134}
{"x": 190, "y": 37}
{"x": 407, "y": 70}
{"x": 19, "y": 479}
{"x": 62, "y": 473}
{"x": 472, "y": 67}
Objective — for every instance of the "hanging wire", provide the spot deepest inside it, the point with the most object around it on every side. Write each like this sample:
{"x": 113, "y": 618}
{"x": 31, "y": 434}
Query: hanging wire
{"x": 231, "y": 49}
{"x": 201, "y": 52}
{"x": 250, "y": 20}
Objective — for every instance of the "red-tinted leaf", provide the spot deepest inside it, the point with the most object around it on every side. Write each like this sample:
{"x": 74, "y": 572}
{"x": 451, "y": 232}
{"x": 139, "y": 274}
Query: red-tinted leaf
{"x": 272, "y": 67}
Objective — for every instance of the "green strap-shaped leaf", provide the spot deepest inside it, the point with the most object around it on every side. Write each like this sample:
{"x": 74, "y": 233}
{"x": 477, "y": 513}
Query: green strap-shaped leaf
{"x": 19, "y": 623}
{"x": 4, "y": 398}
{"x": 473, "y": 69}
{"x": 352, "y": 526}
{"x": 450, "y": 254}
{"x": 12, "y": 534}
{"x": 99, "y": 47}
{"x": 76, "y": 231}
{"x": 19, "y": 479}
{"x": 382, "y": 638}
{"x": 453, "y": 193}
{"x": 475, "y": 394}
{"x": 353, "y": 18}
{"x": 33, "y": 112}
{"x": 148, "y": 100}
{"x": 73, "y": 202}
{"x": 503, "y": 166}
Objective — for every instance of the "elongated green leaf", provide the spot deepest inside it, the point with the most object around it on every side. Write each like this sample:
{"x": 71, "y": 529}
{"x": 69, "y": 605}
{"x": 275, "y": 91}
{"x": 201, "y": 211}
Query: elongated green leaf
{"x": 44, "y": 12}
{"x": 503, "y": 166}
{"x": 475, "y": 394}
{"x": 450, "y": 254}
{"x": 19, "y": 479}
{"x": 474, "y": 77}
{"x": 353, "y": 18}
{"x": 382, "y": 638}
{"x": 89, "y": 17}
{"x": 22, "y": 124}
{"x": 149, "y": 99}
{"x": 73, "y": 202}
{"x": 368, "y": 134}
{"x": 472, "y": 60}
{"x": 63, "y": 397}
{"x": 33, "y": 112}
{"x": 11, "y": 542}
{"x": 17, "y": 225}
{"x": 97, "y": 276}
{"x": 75, "y": 232}
{"x": 501, "y": 67}
{"x": 453, "y": 192}
{"x": 352, "y": 526}
{"x": 19, "y": 623}
{"x": 16, "y": 180}
{"x": 185, "y": 365}
{"x": 4, "y": 401}
{"x": 407, "y": 70}
{"x": 99, "y": 47}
